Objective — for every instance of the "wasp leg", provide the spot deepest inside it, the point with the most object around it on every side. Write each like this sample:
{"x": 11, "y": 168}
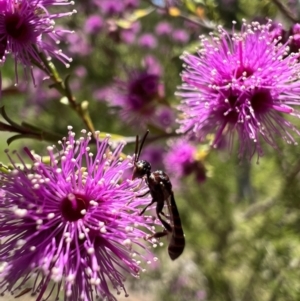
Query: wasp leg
{"x": 159, "y": 212}
{"x": 165, "y": 224}
{"x": 165, "y": 215}
{"x": 147, "y": 207}
{"x": 144, "y": 194}
{"x": 159, "y": 234}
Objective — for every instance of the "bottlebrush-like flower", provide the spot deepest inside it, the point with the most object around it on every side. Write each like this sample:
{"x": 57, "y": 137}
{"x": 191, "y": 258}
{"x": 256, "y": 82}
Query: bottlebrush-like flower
{"x": 183, "y": 159}
{"x": 241, "y": 83}
{"x": 93, "y": 24}
{"x": 165, "y": 118}
{"x": 163, "y": 28}
{"x": 75, "y": 222}
{"x": 295, "y": 41}
{"x": 27, "y": 27}
{"x": 109, "y": 7}
{"x": 147, "y": 40}
{"x": 140, "y": 92}
{"x": 138, "y": 95}
{"x": 180, "y": 36}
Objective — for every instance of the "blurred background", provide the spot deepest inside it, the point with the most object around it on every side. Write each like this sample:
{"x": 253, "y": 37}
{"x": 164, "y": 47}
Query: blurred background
{"x": 241, "y": 218}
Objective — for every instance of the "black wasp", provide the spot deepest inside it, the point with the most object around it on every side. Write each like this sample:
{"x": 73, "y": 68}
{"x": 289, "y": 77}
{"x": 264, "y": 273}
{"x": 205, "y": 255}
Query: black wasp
{"x": 161, "y": 191}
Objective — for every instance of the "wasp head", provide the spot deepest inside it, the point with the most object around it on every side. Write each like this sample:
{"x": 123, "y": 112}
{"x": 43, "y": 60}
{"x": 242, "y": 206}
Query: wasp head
{"x": 141, "y": 168}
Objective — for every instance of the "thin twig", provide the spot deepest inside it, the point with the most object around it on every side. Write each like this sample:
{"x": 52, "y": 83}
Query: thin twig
{"x": 259, "y": 208}
{"x": 63, "y": 88}
{"x": 285, "y": 11}
{"x": 181, "y": 15}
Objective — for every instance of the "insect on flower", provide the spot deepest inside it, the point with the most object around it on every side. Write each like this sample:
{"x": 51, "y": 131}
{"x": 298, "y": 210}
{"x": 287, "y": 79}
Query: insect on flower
{"x": 72, "y": 225}
{"x": 160, "y": 189}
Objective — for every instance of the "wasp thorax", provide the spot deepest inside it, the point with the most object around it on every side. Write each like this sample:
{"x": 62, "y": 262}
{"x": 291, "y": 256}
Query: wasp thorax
{"x": 141, "y": 168}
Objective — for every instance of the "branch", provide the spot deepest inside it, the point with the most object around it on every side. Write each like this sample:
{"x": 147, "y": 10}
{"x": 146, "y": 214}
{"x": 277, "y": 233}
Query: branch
{"x": 24, "y": 130}
{"x": 285, "y": 11}
{"x": 180, "y": 15}
{"x": 63, "y": 87}
{"x": 259, "y": 208}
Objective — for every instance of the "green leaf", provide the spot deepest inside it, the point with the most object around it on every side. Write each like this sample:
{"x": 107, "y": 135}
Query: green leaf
{"x": 190, "y": 5}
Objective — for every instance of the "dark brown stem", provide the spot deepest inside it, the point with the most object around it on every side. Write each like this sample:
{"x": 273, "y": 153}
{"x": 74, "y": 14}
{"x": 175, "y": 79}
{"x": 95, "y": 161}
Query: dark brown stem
{"x": 24, "y": 130}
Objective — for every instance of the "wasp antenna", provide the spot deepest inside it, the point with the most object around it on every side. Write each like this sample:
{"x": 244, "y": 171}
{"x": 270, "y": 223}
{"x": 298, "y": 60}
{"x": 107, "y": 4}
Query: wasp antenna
{"x": 142, "y": 144}
{"x": 136, "y": 149}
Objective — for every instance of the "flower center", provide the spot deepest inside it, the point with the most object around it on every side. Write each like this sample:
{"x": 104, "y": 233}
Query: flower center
{"x": 261, "y": 101}
{"x": 74, "y": 207}
{"x": 232, "y": 115}
{"x": 17, "y": 28}
{"x": 243, "y": 72}
{"x": 145, "y": 86}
